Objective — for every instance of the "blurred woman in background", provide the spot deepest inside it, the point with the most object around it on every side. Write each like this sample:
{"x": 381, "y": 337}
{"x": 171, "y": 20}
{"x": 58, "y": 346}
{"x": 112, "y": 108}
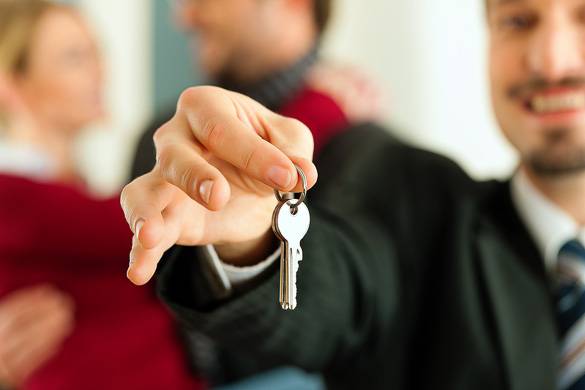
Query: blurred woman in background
{"x": 68, "y": 318}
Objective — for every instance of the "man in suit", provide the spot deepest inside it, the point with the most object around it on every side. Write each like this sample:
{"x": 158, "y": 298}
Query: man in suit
{"x": 414, "y": 276}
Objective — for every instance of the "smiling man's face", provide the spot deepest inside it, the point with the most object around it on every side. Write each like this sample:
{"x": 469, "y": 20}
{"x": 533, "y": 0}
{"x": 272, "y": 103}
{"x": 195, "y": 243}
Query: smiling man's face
{"x": 537, "y": 70}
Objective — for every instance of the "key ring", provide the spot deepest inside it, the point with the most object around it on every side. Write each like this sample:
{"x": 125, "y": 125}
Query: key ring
{"x": 303, "y": 196}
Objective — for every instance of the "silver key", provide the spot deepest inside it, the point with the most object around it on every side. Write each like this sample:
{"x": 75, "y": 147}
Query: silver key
{"x": 290, "y": 227}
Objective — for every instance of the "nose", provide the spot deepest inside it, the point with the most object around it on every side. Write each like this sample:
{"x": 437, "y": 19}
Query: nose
{"x": 556, "y": 50}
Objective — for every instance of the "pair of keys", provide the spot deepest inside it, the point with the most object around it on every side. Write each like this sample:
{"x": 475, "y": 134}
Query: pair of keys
{"x": 290, "y": 223}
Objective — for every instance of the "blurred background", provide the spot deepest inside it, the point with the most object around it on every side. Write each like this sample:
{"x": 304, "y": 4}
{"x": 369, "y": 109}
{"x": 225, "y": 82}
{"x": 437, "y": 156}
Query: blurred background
{"x": 428, "y": 57}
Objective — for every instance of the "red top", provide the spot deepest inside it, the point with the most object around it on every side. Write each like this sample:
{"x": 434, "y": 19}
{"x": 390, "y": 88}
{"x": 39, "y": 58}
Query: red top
{"x": 123, "y": 337}
{"x": 319, "y": 112}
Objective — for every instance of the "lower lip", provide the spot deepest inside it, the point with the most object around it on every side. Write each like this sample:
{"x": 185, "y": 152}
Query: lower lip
{"x": 560, "y": 117}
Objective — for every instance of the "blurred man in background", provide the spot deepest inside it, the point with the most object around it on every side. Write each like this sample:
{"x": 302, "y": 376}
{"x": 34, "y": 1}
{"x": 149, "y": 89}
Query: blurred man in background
{"x": 414, "y": 276}
{"x": 269, "y": 50}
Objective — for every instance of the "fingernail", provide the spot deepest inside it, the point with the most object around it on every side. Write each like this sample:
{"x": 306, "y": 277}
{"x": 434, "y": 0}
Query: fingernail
{"x": 280, "y": 177}
{"x": 138, "y": 226}
{"x": 205, "y": 190}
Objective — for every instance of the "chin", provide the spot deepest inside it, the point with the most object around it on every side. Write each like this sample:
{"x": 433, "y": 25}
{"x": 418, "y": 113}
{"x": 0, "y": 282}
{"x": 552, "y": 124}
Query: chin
{"x": 210, "y": 71}
{"x": 212, "y": 61}
{"x": 559, "y": 153}
{"x": 81, "y": 123}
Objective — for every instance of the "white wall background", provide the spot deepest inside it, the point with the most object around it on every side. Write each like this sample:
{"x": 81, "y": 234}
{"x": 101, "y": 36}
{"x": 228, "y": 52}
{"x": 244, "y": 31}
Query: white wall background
{"x": 431, "y": 59}
{"x": 124, "y": 31}
{"x": 429, "y": 56}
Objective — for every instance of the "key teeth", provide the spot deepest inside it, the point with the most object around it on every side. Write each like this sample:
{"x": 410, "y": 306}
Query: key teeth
{"x": 286, "y": 306}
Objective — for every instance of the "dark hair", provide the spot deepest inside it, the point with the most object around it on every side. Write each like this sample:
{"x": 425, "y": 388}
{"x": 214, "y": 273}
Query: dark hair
{"x": 323, "y": 10}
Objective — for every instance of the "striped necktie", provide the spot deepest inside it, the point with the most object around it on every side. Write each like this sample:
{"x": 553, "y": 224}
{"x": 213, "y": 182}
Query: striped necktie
{"x": 571, "y": 315}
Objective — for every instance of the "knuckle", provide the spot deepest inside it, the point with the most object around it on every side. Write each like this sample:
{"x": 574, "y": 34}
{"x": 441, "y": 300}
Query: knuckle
{"x": 160, "y": 134}
{"x": 189, "y": 96}
{"x": 188, "y": 178}
{"x": 298, "y": 134}
{"x": 124, "y": 196}
{"x": 164, "y": 158}
{"x": 299, "y": 129}
{"x": 125, "y": 202}
{"x": 180, "y": 174}
{"x": 193, "y": 96}
{"x": 249, "y": 158}
{"x": 213, "y": 134}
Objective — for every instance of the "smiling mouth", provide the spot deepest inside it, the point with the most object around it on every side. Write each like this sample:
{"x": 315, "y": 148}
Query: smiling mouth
{"x": 556, "y": 103}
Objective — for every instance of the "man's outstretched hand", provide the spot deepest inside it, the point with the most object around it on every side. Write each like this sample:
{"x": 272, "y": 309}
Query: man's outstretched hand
{"x": 218, "y": 161}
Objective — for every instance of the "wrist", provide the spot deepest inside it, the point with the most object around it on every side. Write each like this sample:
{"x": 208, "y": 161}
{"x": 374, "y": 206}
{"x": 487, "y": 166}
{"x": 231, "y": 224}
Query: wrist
{"x": 248, "y": 253}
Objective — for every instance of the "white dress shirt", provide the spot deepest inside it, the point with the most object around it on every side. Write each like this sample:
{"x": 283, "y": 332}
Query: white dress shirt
{"x": 229, "y": 276}
{"x": 549, "y": 225}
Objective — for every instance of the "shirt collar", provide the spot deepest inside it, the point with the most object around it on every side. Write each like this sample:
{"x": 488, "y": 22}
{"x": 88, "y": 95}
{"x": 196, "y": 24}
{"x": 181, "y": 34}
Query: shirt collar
{"x": 274, "y": 90}
{"x": 550, "y": 226}
{"x": 26, "y": 161}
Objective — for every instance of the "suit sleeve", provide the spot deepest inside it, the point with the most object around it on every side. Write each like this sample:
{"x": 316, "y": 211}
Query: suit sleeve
{"x": 357, "y": 281}
{"x": 348, "y": 287}
{"x": 339, "y": 300}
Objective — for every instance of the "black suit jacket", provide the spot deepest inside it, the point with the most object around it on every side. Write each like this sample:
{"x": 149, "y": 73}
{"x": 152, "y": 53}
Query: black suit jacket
{"x": 414, "y": 277}
{"x": 145, "y": 156}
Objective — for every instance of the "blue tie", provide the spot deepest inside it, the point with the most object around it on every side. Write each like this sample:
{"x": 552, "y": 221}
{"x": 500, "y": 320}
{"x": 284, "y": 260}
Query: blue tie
{"x": 571, "y": 315}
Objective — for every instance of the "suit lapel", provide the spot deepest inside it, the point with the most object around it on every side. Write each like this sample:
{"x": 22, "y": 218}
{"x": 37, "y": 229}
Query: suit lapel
{"x": 518, "y": 293}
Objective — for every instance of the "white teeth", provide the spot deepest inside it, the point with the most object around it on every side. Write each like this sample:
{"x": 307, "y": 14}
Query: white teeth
{"x": 565, "y": 102}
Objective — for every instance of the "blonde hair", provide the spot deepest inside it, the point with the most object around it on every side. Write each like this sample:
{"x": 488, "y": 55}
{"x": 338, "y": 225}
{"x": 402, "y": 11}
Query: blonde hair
{"x": 18, "y": 22}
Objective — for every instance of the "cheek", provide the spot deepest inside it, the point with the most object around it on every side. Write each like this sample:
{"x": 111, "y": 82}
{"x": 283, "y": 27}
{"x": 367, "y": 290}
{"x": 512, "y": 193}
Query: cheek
{"x": 216, "y": 32}
{"x": 506, "y": 71}
{"x": 69, "y": 91}
{"x": 69, "y": 99}
{"x": 499, "y": 68}
{"x": 498, "y": 83}
{"x": 235, "y": 22}
{"x": 46, "y": 95}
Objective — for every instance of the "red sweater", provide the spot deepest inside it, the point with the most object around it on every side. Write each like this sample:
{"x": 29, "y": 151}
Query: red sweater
{"x": 319, "y": 112}
{"x": 123, "y": 338}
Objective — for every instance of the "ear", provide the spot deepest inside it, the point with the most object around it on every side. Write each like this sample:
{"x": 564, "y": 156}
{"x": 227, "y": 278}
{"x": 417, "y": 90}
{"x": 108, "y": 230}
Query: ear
{"x": 11, "y": 96}
{"x": 7, "y": 91}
